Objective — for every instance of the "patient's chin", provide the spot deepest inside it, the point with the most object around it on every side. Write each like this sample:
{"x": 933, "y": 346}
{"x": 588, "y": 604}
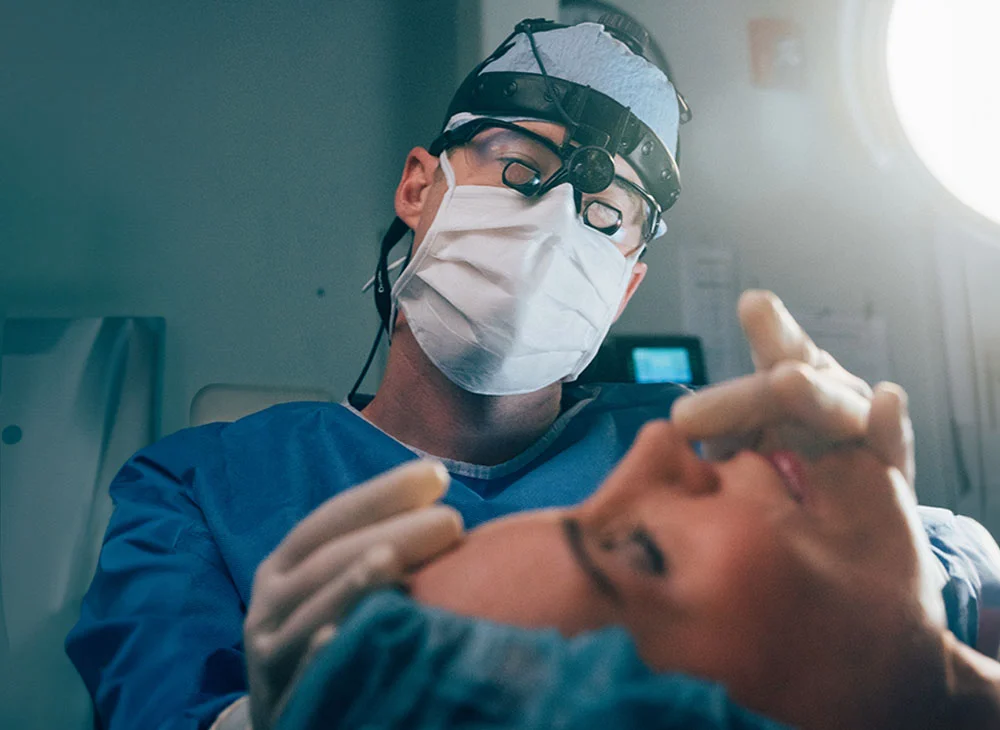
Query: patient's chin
{"x": 516, "y": 571}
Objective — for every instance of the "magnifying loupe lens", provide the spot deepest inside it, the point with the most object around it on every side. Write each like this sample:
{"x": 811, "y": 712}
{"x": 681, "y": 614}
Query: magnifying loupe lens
{"x": 591, "y": 170}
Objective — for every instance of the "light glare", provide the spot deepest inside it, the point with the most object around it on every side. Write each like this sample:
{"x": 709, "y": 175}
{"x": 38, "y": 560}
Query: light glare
{"x": 944, "y": 73}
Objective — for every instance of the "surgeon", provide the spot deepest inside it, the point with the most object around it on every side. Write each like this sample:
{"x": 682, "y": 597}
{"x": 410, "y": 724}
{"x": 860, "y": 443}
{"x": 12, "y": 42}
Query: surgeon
{"x": 529, "y": 213}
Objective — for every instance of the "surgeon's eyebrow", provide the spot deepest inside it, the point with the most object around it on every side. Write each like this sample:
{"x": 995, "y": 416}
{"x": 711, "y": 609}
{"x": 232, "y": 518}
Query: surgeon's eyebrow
{"x": 574, "y": 536}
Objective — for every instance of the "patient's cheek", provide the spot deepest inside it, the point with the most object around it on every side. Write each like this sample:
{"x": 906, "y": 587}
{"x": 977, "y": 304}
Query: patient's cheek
{"x": 733, "y": 605}
{"x": 734, "y": 585}
{"x": 516, "y": 571}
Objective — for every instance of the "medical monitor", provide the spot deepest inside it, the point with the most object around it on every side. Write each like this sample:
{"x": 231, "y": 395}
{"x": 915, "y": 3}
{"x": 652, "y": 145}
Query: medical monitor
{"x": 649, "y": 359}
{"x": 661, "y": 365}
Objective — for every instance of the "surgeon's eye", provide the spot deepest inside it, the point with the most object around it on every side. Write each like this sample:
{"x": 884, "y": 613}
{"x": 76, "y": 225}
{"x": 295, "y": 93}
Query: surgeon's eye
{"x": 602, "y": 217}
{"x": 522, "y": 177}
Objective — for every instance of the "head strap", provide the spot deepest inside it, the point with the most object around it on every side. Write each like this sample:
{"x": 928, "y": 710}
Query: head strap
{"x": 602, "y": 121}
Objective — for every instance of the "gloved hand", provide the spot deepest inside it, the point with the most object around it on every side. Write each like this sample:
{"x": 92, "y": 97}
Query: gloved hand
{"x": 363, "y": 539}
{"x": 799, "y": 398}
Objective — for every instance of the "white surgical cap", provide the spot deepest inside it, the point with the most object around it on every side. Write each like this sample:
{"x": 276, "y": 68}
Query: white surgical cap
{"x": 588, "y": 55}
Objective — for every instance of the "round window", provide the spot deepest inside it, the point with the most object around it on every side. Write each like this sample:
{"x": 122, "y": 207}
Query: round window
{"x": 944, "y": 74}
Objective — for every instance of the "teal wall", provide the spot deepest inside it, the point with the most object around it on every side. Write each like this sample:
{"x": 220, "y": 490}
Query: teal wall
{"x": 216, "y": 164}
{"x": 220, "y": 163}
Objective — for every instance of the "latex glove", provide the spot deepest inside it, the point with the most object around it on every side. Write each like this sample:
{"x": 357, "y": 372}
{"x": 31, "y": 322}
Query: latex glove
{"x": 889, "y": 435}
{"x": 363, "y": 539}
{"x": 799, "y": 398}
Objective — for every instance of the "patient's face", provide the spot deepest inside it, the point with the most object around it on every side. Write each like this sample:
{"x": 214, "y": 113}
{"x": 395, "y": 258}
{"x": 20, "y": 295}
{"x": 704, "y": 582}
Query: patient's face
{"x": 718, "y": 570}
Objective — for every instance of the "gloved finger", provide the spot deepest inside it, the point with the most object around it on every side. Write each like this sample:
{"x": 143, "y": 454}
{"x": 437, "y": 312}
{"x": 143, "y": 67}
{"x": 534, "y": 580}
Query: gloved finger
{"x": 772, "y": 332}
{"x": 727, "y": 409}
{"x": 377, "y": 568}
{"x": 322, "y": 636}
{"x": 775, "y": 336}
{"x": 415, "y": 484}
{"x": 890, "y": 438}
{"x": 819, "y": 401}
{"x": 415, "y": 537}
{"x": 890, "y": 431}
{"x": 790, "y": 392}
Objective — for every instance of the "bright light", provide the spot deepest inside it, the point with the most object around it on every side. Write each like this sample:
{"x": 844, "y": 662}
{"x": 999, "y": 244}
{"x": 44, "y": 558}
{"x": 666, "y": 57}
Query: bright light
{"x": 944, "y": 72}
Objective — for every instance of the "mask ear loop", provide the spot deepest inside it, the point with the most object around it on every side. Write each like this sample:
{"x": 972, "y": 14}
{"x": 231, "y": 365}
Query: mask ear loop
{"x": 381, "y": 291}
{"x": 382, "y": 288}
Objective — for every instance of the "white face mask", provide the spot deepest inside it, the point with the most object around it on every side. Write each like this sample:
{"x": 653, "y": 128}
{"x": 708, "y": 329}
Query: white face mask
{"x": 508, "y": 294}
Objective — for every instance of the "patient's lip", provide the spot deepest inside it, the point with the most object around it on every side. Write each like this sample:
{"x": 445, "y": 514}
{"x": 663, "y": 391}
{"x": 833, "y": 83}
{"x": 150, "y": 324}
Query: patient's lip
{"x": 789, "y": 466}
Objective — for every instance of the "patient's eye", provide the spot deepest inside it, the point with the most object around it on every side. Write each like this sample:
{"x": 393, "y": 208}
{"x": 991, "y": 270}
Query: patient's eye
{"x": 648, "y": 558}
{"x": 642, "y": 552}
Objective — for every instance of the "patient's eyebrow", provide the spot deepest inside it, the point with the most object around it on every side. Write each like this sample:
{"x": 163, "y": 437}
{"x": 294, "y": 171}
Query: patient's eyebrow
{"x": 574, "y": 536}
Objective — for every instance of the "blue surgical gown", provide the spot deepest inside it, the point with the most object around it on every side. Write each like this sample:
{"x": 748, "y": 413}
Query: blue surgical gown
{"x": 398, "y": 666}
{"x": 159, "y": 639}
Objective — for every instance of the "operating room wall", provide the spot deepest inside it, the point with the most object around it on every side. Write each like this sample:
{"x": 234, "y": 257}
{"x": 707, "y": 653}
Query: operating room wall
{"x": 785, "y": 178}
{"x": 225, "y": 165}
{"x": 229, "y": 165}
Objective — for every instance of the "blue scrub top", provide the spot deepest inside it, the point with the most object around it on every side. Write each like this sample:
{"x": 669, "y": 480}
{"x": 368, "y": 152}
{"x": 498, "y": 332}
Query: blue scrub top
{"x": 159, "y": 639}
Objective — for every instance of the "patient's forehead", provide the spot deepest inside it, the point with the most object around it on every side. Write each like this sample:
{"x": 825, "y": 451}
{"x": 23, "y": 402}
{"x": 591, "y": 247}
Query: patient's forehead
{"x": 517, "y": 570}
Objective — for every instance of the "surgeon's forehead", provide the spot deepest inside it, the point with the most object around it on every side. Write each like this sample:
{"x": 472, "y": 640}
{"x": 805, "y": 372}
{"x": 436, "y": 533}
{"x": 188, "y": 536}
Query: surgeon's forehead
{"x": 557, "y": 133}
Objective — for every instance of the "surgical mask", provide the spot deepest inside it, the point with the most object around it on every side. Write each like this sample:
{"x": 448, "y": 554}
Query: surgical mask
{"x": 508, "y": 294}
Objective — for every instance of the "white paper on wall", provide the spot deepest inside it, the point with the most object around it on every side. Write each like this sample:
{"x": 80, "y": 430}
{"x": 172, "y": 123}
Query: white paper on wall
{"x": 710, "y": 290}
{"x": 858, "y": 342}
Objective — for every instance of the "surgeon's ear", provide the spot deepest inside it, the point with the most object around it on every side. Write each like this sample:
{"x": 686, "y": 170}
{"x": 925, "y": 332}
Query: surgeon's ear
{"x": 638, "y": 274}
{"x": 418, "y": 176}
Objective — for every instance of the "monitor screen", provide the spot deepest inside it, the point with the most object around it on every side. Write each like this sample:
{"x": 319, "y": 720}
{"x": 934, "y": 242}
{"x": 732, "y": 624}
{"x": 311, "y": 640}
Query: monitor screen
{"x": 662, "y": 365}
{"x": 648, "y": 359}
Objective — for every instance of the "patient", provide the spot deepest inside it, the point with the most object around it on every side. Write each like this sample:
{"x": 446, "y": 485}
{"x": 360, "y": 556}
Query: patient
{"x": 795, "y": 583}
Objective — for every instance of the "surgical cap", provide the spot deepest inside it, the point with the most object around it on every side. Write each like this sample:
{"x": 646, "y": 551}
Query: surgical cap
{"x": 586, "y": 54}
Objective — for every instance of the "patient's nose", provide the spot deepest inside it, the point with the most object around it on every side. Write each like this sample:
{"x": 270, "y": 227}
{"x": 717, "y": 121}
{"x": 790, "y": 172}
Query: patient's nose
{"x": 660, "y": 459}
